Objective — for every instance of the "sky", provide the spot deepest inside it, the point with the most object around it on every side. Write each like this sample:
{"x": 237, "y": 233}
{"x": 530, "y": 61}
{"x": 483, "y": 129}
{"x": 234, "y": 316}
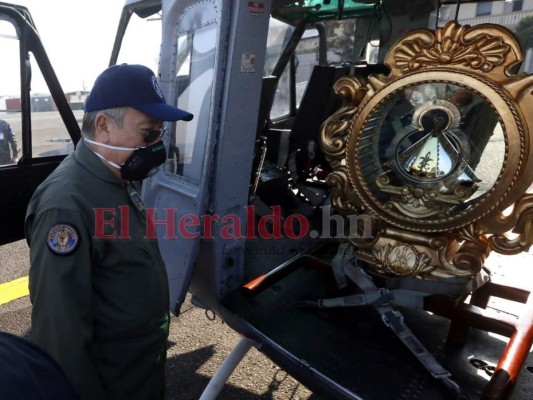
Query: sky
{"x": 78, "y": 36}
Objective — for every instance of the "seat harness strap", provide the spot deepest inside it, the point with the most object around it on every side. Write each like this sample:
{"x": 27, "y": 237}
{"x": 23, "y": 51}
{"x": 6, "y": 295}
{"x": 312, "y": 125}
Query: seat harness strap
{"x": 382, "y": 299}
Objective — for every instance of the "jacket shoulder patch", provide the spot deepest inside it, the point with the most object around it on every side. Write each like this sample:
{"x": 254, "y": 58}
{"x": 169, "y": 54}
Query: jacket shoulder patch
{"x": 62, "y": 238}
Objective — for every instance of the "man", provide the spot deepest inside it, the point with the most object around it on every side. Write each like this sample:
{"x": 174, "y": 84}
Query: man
{"x": 8, "y": 144}
{"x": 98, "y": 286}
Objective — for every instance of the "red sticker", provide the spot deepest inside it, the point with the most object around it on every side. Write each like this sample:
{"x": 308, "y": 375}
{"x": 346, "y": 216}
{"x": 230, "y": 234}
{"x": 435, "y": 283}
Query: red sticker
{"x": 256, "y": 8}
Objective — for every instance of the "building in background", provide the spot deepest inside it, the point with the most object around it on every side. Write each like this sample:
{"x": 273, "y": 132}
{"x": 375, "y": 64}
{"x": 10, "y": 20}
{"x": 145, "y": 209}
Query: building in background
{"x": 77, "y": 99}
{"x": 43, "y": 102}
{"x": 504, "y": 12}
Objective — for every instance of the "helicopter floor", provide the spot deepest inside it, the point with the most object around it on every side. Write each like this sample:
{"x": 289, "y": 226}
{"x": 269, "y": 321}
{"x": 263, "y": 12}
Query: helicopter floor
{"x": 353, "y": 347}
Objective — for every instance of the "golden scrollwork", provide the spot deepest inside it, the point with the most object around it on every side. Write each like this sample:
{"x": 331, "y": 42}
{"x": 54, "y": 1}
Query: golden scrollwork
{"x": 472, "y": 234}
{"x": 520, "y": 221}
{"x": 471, "y": 255}
{"x": 421, "y": 202}
{"x": 340, "y": 183}
{"x": 352, "y": 90}
{"x": 436, "y": 151}
{"x": 451, "y": 45}
{"x": 402, "y": 259}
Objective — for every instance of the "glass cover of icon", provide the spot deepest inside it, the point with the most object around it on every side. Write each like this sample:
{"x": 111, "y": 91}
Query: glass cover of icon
{"x": 431, "y": 149}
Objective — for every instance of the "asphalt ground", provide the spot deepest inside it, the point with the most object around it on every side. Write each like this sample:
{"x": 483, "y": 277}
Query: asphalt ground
{"x": 198, "y": 344}
{"x": 196, "y": 348}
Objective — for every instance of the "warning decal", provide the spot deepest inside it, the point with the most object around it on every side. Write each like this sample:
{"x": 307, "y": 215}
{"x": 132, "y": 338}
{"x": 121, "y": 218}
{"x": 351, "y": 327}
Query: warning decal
{"x": 256, "y": 8}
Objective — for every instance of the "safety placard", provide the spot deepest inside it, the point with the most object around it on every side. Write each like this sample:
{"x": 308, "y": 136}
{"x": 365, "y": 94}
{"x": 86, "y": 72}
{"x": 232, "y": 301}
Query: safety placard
{"x": 256, "y": 7}
{"x": 248, "y": 62}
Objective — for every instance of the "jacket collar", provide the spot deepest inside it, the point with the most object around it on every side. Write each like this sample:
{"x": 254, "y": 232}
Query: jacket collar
{"x": 86, "y": 157}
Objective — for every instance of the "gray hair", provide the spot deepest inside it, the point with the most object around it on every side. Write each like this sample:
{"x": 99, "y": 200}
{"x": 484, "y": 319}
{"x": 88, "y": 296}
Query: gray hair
{"x": 89, "y": 120}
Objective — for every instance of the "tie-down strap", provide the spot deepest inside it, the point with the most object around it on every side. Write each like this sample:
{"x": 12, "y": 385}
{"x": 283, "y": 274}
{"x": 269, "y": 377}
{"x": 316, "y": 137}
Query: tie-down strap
{"x": 383, "y": 298}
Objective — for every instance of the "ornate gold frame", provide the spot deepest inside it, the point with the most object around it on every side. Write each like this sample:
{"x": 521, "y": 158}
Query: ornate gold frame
{"x": 426, "y": 242}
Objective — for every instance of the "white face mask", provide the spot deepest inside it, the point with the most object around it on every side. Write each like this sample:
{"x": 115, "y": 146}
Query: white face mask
{"x": 108, "y": 146}
{"x": 142, "y": 163}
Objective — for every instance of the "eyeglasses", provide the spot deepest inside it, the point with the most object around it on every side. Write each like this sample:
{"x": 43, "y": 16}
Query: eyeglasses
{"x": 151, "y": 135}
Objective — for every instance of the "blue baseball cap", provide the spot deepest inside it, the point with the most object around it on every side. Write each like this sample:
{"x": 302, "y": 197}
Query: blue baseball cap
{"x": 131, "y": 85}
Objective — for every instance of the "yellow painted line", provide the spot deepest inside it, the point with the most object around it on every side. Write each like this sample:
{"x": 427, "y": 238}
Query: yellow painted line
{"x": 13, "y": 290}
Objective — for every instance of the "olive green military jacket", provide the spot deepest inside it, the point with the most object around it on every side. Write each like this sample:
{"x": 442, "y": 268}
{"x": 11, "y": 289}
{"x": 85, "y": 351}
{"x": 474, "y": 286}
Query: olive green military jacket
{"x": 98, "y": 286}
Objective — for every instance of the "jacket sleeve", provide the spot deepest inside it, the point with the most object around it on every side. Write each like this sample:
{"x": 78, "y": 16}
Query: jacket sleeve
{"x": 60, "y": 281}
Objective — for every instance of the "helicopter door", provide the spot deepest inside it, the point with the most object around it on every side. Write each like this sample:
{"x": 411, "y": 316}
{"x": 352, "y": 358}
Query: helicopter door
{"x": 37, "y": 125}
{"x": 177, "y": 195}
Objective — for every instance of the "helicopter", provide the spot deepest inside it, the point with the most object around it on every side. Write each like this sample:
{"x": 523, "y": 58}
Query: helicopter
{"x": 330, "y": 200}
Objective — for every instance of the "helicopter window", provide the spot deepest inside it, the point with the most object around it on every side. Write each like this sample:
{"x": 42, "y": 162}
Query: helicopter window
{"x": 10, "y": 115}
{"x": 50, "y": 136}
{"x": 339, "y": 50}
{"x": 340, "y": 41}
{"x": 305, "y": 58}
{"x": 278, "y": 36}
{"x": 141, "y": 41}
{"x": 194, "y": 85}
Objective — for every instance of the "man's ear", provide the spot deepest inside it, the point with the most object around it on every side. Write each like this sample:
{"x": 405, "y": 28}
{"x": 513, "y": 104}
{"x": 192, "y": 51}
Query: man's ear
{"x": 101, "y": 127}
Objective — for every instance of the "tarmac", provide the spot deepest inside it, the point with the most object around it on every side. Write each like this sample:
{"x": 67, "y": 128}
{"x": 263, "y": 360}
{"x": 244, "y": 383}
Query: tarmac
{"x": 198, "y": 343}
